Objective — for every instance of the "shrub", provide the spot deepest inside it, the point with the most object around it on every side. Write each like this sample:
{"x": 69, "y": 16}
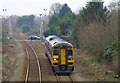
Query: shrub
{"x": 109, "y": 50}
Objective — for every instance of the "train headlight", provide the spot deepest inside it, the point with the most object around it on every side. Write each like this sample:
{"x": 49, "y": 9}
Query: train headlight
{"x": 54, "y": 59}
{"x": 69, "y": 56}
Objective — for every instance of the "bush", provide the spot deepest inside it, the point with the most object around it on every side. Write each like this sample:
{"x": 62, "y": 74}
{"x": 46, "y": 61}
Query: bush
{"x": 109, "y": 50}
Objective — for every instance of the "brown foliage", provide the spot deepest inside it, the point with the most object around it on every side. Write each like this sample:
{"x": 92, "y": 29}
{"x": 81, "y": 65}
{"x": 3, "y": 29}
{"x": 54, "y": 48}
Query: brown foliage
{"x": 96, "y": 36}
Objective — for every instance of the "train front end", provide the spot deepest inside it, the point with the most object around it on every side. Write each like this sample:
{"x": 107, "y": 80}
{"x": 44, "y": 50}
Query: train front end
{"x": 62, "y": 58}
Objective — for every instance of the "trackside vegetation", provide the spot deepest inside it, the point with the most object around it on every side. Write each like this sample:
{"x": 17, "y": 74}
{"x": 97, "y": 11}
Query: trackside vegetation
{"x": 93, "y": 28}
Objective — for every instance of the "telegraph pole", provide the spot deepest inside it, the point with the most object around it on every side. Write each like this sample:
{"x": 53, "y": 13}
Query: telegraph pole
{"x": 45, "y": 11}
{"x": 4, "y": 10}
{"x": 45, "y": 17}
{"x": 40, "y": 24}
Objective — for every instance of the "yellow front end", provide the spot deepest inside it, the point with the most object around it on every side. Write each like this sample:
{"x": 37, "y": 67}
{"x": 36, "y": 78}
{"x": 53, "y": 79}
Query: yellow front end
{"x": 63, "y": 58}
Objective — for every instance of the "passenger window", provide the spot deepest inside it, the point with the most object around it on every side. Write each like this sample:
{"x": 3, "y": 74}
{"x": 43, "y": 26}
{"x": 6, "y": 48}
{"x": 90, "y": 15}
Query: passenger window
{"x": 55, "y": 52}
{"x": 69, "y": 52}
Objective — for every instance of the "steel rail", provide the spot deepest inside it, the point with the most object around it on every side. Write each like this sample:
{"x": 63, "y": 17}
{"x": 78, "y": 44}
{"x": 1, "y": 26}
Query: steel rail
{"x": 28, "y": 57}
{"x": 39, "y": 68}
{"x": 26, "y": 77}
{"x": 36, "y": 43}
{"x": 70, "y": 76}
{"x": 28, "y": 66}
{"x": 57, "y": 77}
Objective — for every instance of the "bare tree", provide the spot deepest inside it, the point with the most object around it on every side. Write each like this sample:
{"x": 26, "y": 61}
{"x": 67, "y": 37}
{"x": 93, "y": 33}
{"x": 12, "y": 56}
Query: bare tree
{"x": 54, "y": 9}
{"x": 114, "y": 5}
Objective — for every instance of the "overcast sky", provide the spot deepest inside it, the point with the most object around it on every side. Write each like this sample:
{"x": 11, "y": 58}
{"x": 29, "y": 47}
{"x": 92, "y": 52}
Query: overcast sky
{"x": 27, "y": 7}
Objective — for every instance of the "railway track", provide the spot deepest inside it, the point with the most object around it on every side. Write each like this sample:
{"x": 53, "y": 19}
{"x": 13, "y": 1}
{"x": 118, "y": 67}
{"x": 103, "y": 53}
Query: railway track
{"x": 33, "y": 68}
{"x": 33, "y": 62}
{"x": 62, "y": 78}
{"x": 39, "y": 45}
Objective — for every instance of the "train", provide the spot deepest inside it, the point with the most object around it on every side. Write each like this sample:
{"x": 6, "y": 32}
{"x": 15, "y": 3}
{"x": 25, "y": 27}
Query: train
{"x": 60, "y": 54}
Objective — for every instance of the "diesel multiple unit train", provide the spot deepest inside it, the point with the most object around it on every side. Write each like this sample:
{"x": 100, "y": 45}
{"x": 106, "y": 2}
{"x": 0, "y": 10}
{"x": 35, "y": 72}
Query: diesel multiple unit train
{"x": 60, "y": 53}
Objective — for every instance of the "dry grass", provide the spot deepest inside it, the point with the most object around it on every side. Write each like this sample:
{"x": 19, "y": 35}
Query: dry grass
{"x": 8, "y": 59}
{"x": 87, "y": 67}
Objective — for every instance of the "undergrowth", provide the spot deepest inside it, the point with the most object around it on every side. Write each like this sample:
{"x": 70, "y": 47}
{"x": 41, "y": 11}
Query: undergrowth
{"x": 110, "y": 50}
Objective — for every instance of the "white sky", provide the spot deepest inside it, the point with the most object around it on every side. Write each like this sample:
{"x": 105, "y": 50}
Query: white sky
{"x": 27, "y": 7}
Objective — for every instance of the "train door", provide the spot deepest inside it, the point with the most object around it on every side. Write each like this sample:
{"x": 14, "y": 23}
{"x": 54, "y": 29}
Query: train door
{"x": 62, "y": 56}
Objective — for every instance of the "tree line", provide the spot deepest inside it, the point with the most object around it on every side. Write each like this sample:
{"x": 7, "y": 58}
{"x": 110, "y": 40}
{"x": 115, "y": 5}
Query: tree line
{"x": 65, "y": 22}
{"x": 93, "y": 28}
{"x": 26, "y": 23}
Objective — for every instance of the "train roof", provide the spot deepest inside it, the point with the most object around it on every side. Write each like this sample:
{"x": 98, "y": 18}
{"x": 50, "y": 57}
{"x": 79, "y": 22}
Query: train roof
{"x": 54, "y": 40}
